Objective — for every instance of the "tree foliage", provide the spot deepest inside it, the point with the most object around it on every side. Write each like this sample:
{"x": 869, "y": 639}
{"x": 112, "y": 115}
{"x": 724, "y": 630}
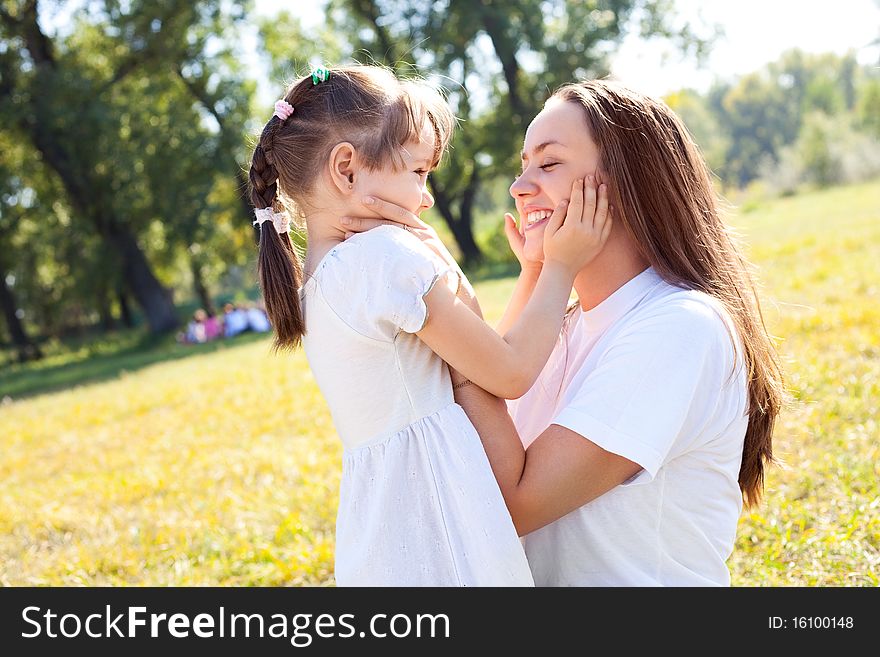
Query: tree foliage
{"x": 755, "y": 120}
{"x": 123, "y": 131}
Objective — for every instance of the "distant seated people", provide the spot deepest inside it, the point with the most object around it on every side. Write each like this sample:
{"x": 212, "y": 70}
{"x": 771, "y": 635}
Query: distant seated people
{"x": 235, "y": 320}
{"x": 213, "y": 327}
{"x": 257, "y": 319}
{"x": 195, "y": 330}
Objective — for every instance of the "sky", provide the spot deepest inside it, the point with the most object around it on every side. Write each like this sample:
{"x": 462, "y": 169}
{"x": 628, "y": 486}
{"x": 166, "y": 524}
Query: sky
{"x": 755, "y": 32}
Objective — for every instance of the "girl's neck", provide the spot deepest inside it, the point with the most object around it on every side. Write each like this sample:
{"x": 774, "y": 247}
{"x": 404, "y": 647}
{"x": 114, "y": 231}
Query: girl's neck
{"x": 617, "y": 264}
{"x": 323, "y": 232}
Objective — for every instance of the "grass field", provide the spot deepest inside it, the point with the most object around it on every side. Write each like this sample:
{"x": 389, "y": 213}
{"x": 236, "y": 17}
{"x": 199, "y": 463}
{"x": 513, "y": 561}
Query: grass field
{"x": 221, "y": 468}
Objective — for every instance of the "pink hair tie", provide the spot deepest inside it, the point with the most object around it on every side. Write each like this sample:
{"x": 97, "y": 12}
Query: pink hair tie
{"x": 283, "y": 109}
{"x": 278, "y": 219}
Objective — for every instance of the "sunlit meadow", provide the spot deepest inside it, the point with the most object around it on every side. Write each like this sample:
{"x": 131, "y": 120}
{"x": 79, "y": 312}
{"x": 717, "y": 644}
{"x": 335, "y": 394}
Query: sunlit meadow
{"x": 222, "y": 468}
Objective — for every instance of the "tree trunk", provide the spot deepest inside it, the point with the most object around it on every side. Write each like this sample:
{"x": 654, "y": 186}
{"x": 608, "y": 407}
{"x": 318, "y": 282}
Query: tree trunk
{"x": 105, "y": 311}
{"x": 200, "y": 287}
{"x": 464, "y": 237}
{"x": 461, "y": 226}
{"x": 506, "y": 52}
{"x": 370, "y": 12}
{"x": 200, "y": 94}
{"x": 80, "y": 184}
{"x": 153, "y": 299}
{"x": 27, "y": 348}
{"x": 124, "y": 308}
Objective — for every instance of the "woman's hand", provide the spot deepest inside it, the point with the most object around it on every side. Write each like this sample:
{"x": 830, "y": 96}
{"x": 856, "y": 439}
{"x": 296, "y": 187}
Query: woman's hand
{"x": 391, "y": 214}
{"x": 394, "y": 215}
{"x": 578, "y": 229}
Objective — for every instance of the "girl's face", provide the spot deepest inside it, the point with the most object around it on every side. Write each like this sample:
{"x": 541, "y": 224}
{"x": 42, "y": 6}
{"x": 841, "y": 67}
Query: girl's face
{"x": 406, "y": 187}
{"x": 558, "y": 150}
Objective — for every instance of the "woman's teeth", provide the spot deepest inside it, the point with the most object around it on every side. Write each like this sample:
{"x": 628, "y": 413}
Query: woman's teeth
{"x": 536, "y": 216}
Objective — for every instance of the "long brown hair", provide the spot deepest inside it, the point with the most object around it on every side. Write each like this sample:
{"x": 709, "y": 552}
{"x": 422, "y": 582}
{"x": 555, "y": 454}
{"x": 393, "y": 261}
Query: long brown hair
{"x": 364, "y": 105}
{"x": 661, "y": 188}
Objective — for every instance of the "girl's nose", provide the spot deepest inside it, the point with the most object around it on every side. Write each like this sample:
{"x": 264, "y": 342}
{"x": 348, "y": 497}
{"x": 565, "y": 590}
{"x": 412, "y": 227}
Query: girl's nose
{"x": 427, "y": 200}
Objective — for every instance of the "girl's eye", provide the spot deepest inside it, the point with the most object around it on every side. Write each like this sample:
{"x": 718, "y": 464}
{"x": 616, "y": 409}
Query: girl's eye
{"x": 545, "y": 167}
{"x": 421, "y": 172}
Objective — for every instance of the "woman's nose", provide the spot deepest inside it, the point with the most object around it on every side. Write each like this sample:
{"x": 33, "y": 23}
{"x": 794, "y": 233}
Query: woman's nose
{"x": 521, "y": 186}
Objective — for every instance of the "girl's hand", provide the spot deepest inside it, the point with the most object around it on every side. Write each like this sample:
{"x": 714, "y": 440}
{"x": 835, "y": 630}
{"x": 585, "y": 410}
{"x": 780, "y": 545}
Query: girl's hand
{"x": 578, "y": 229}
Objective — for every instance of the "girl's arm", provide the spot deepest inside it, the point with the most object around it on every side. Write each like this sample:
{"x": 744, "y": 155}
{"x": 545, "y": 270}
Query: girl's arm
{"x": 505, "y": 365}
{"x": 508, "y": 366}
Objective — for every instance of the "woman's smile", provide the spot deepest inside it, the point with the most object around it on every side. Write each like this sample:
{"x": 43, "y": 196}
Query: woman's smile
{"x": 536, "y": 218}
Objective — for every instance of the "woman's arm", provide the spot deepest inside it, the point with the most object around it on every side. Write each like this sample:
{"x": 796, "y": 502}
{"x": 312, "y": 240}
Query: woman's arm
{"x": 558, "y": 473}
{"x": 525, "y": 282}
{"x": 666, "y": 373}
{"x": 522, "y": 292}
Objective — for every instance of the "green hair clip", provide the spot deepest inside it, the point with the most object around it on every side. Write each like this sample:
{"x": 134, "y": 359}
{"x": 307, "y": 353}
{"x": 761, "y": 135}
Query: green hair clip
{"x": 320, "y": 75}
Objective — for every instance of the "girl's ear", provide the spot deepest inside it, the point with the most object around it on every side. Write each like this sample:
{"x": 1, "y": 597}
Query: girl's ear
{"x": 343, "y": 162}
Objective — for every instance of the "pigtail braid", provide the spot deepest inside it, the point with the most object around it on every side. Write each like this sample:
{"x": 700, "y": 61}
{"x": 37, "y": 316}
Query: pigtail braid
{"x": 280, "y": 269}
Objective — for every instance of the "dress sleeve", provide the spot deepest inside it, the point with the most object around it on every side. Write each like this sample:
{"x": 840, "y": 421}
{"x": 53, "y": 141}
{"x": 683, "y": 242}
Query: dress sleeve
{"x": 656, "y": 385}
{"x": 379, "y": 280}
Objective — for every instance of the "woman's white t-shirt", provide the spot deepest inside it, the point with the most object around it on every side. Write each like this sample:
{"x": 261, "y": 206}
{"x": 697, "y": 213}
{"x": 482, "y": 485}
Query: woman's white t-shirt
{"x": 650, "y": 374}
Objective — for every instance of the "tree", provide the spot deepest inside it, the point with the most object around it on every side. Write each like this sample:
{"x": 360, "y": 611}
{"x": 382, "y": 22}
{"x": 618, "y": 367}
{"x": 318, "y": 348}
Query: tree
{"x": 110, "y": 110}
{"x": 868, "y": 106}
{"x": 702, "y": 123}
{"x": 37, "y": 91}
{"x": 764, "y": 111}
{"x": 10, "y": 216}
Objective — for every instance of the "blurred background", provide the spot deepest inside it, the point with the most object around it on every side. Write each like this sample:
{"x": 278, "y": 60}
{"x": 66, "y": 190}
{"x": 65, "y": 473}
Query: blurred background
{"x": 147, "y": 434}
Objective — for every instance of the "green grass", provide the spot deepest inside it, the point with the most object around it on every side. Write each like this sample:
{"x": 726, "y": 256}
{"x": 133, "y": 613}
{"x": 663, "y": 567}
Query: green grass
{"x": 819, "y": 262}
{"x": 80, "y": 361}
{"x": 221, "y": 468}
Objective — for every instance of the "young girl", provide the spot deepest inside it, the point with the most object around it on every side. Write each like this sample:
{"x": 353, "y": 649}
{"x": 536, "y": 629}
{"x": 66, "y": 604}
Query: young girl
{"x": 379, "y": 314}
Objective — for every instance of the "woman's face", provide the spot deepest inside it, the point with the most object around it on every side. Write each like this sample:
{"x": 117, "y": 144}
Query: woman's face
{"x": 558, "y": 150}
{"x": 406, "y": 187}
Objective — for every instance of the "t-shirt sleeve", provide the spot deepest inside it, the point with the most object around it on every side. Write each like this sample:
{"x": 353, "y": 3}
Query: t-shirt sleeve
{"x": 380, "y": 280}
{"x": 652, "y": 384}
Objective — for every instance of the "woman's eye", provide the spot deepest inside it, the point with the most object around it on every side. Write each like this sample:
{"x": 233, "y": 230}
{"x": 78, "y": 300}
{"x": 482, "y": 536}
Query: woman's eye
{"x": 545, "y": 167}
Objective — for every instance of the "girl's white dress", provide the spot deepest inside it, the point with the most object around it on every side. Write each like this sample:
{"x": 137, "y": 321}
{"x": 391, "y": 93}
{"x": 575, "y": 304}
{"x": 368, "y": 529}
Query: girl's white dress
{"x": 418, "y": 503}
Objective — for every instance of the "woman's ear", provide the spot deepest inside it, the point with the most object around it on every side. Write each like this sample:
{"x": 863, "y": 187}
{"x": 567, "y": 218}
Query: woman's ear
{"x": 343, "y": 164}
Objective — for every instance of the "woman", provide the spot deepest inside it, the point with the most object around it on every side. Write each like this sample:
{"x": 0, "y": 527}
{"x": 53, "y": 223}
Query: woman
{"x": 628, "y": 461}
